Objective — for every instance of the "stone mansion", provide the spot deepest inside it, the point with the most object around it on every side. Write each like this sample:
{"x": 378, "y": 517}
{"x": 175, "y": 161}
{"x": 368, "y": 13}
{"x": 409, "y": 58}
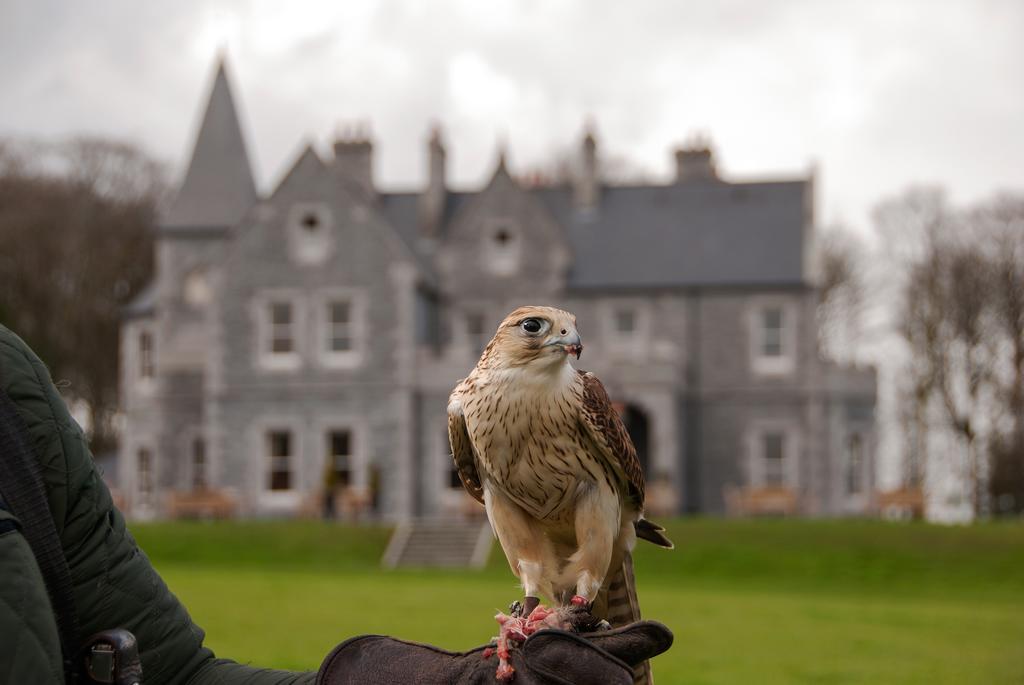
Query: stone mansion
{"x": 309, "y": 336}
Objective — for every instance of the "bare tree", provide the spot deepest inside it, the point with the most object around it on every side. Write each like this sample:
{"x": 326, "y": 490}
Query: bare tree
{"x": 1003, "y": 222}
{"x": 960, "y": 314}
{"x": 75, "y": 222}
{"x": 843, "y": 293}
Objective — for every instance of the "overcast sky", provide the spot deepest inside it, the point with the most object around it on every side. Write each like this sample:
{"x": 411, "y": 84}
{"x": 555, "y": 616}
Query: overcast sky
{"x": 879, "y": 95}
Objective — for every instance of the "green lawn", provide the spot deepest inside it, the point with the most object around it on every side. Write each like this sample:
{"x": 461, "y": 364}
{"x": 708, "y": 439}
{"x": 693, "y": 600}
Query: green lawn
{"x": 749, "y": 601}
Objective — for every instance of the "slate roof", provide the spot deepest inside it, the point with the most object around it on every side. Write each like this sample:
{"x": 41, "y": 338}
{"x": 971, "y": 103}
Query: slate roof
{"x": 679, "y": 235}
{"x": 218, "y": 186}
{"x": 401, "y": 209}
{"x": 686, "y": 234}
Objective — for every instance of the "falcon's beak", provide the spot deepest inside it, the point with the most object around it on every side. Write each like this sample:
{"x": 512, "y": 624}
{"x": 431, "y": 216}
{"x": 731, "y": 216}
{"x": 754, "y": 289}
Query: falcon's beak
{"x": 571, "y": 343}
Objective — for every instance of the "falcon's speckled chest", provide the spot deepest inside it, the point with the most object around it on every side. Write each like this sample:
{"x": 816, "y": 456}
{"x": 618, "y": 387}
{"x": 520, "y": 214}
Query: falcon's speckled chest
{"x": 529, "y": 441}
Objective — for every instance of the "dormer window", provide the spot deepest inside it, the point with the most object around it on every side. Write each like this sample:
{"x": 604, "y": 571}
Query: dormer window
{"x": 310, "y": 222}
{"x": 309, "y": 234}
{"x": 502, "y": 247}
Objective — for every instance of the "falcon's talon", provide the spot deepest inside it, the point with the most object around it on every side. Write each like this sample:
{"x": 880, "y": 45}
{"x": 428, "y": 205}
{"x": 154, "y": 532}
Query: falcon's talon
{"x": 530, "y": 603}
{"x": 505, "y": 672}
{"x": 580, "y": 601}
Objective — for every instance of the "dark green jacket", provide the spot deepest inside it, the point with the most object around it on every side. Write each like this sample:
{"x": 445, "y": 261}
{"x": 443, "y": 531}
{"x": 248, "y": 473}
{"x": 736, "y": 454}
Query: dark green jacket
{"x": 114, "y": 584}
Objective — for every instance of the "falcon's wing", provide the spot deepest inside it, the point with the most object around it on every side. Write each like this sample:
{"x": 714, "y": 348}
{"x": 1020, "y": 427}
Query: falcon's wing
{"x": 605, "y": 428}
{"x": 462, "y": 453}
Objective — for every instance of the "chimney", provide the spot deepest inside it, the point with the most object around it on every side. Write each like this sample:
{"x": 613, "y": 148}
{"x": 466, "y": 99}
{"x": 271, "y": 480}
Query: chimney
{"x": 586, "y": 193}
{"x": 695, "y": 161}
{"x": 353, "y": 156}
{"x": 432, "y": 201}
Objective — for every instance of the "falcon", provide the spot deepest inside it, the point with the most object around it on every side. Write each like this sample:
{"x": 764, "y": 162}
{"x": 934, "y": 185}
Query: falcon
{"x": 540, "y": 445}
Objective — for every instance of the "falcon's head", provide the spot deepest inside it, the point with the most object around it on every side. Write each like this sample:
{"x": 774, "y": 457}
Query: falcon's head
{"x": 535, "y": 336}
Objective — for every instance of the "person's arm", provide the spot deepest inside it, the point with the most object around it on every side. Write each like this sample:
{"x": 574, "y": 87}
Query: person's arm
{"x": 31, "y": 648}
{"x": 115, "y": 586}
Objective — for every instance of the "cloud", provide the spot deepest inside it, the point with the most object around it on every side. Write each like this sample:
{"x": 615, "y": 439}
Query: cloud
{"x": 881, "y": 95}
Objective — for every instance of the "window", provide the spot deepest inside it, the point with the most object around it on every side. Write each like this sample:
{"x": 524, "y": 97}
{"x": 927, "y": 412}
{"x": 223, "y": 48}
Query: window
{"x": 279, "y": 317}
{"x": 854, "y": 465}
{"x": 476, "y": 333}
{"x": 282, "y": 339}
{"x": 339, "y": 456}
{"x": 773, "y": 338}
{"x": 340, "y": 328}
{"x": 199, "y": 464}
{"x": 279, "y": 449}
{"x": 625, "y": 321}
{"x": 145, "y": 473}
{"x": 774, "y": 460}
{"x": 340, "y": 336}
{"x": 771, "y": 332}
{"x": 147, "y": 368}
{"x": 502, "y": 248}
{"x": 626, "y": 326}
{"x": 310, "y": 222}
{"x": 309, "y": 233}
{"x": 428, "y": 319}
{"x": 196, "y": 289}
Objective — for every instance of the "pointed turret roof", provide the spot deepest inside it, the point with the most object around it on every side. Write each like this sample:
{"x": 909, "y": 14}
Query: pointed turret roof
{"x": 218, "y": 186}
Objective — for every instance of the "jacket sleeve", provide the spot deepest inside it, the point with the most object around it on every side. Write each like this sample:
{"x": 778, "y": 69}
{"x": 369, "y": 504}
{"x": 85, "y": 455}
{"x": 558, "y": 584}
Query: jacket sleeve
{"x": 31, "y": 651}
{"x": 114, "y": 583}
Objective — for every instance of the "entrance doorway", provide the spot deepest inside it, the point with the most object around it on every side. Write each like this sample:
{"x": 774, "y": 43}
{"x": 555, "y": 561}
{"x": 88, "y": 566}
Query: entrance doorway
{"x": 635, "y": 420}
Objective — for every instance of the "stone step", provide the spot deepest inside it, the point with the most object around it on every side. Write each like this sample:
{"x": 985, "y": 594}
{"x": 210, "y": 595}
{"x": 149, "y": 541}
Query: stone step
{"x": 441, "y": 543}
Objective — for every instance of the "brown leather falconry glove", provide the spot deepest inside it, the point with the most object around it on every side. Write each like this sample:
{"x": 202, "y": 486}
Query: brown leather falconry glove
{"x": 548, "y": 657}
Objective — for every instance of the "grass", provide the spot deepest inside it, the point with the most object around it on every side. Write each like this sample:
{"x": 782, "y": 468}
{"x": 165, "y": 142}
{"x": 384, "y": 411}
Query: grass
{"x": 764, "y": 601}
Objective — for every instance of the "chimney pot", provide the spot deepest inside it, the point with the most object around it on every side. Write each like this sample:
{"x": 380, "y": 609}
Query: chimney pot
{"x": 586, "y": 192}
{"x": 695, "y": 161}
{"x": 432, "y": 201}
{"x": 353, "y": 157}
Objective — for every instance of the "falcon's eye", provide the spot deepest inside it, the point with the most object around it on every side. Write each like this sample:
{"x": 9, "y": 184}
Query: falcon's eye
{"x": 532, "y": 325}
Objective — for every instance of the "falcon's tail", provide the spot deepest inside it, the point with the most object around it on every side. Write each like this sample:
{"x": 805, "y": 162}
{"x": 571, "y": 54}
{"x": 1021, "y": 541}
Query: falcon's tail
{"x": 652, "y": 532}
{"x": 619, "y": 605}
